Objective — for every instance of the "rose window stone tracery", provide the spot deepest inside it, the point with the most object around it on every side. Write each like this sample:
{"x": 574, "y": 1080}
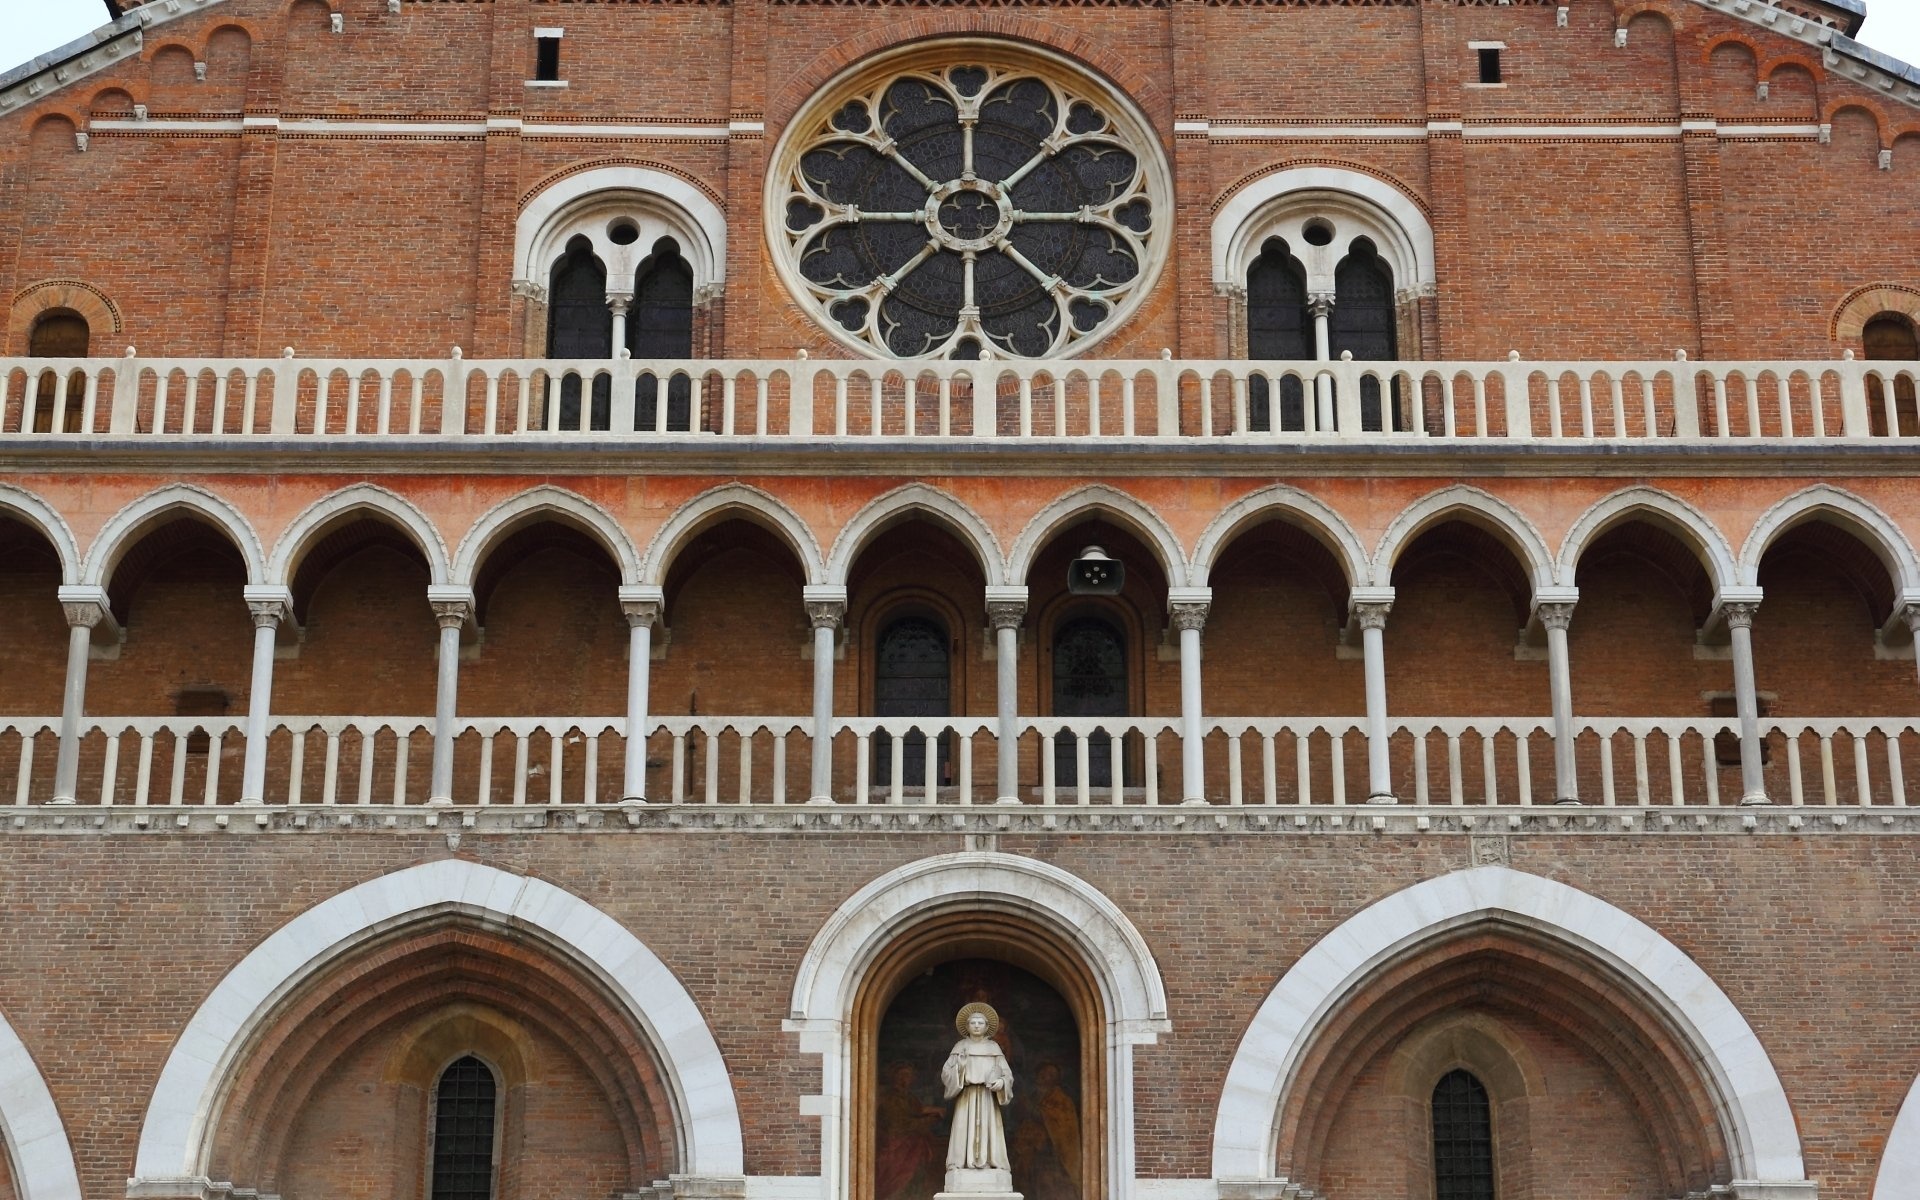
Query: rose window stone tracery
{"x": 954, "y": 209}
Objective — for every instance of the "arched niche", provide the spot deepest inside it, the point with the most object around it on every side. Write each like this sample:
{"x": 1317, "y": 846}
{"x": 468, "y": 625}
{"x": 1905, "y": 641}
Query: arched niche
{"x": 982, "y": 905}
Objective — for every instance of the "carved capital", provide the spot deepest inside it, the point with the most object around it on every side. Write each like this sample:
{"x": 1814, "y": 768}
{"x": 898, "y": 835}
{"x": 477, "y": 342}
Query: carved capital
{"x": 83, "y": 614}
{"x": 1555, "y": 614}
{"x": 527, "y": 289}
{"x": 619, "y": 301}
{"x": 1189, "y": 614}
{"x": 1372, "y": 614}
{"x": 1740, "y": 613}
{"x": 1320, "y": 303}
{"x": 640, "y": 614}
{"x": 452, "y": 614}
{"x": 267, "y": 614}
{"x": 1006, "y": 614}
{"x": 826, "y": 614}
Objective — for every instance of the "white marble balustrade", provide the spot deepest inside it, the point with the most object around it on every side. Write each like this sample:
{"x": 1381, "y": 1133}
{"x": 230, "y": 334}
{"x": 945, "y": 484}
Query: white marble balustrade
{"x": 1152, "y": 399}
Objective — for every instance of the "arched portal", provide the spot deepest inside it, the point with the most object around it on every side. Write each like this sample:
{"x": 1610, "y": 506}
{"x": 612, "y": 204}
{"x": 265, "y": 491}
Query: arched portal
{"x": 984, "y": 912}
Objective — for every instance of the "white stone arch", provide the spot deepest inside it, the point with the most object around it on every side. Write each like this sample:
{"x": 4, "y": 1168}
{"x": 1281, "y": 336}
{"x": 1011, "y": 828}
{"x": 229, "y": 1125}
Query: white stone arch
{"x": 32, "y": 510}
{"x": 837, "y": 961}
{"x": 1309, "y": 512}
{"x": 1899, "y": 1176}
{"x": 1847, "y": 511}
{"x": 292, "y": 546}
{"x": 1763, "y": 1140}
{"x": 718, "y": 504}
{"x": 1707, "y": 542}
{"x": 127, "y": 526}
{"x": 589, "y": 202}
{"x": 1354, "y": 203}
{"x": 1092, "y": 499}
{"x": 884, "y": 511}
{"x": 35, "y": 1138}
{"x": 1476, "y": 507}
{"x": 540, "y": 504}
{"x": 185, "y": 1107}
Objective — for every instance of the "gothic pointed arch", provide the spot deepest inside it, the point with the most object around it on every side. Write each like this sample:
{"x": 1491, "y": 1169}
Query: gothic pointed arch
{"x": 32, "y": 1135}
{"x": 723, "y": 503}
{"x": 1098, "y": 500}
{"x": 904, "y": 503}
{"x": 1476, "y": 507}
{"x": 127, "y": 526}
{"x": 544, "y": 504}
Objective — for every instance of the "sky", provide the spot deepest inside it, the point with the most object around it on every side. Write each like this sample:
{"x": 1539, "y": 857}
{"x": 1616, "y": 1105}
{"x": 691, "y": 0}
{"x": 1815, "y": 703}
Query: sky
{"x": 30, "y": 27}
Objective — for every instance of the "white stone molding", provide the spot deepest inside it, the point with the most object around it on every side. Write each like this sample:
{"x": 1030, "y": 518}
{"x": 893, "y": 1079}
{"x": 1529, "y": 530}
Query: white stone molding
{"x": 31, "y": 1132}
{"x": 1763, "y": 1141}
{"x": 1354, "y": 203}
{"x": 31, "y": 510}
{"x": 1477, "y": 507}
{"x": 125, "y": 528}
{"x": 398, "y": 511}
{"x": 588, "y": 203}
{"x": 1664, "y": 509}
{"x": 1845, "y": 510}
{"x": 1899, "y": 1177}
{"x": 185, "y": 1107}
{"x": 724, "y": 502}
{"x": 1288, "y": 504}
{"x": 916, "y": 499}
{"x": 1097, "y": 499}
{"x": 538, "y": 504}
{"x": 836, "y": 965}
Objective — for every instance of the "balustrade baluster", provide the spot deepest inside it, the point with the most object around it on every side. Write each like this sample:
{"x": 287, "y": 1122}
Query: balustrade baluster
{"x": 1607, "y": 796}
{"x": 1863, "y": 781}
{"x": 143, "y": 777}
{"x": 1421, "y": 793}
{"x": 1456, "y": 781}
{"x": 330, "y": 782}
{"x": 1794, "y": 784}
{"x": 1234, "y": 781}
{"x": 897, "y": 768}
{"x": 296, "y": 766}
{"x": 1303, "y": 766}
{"x": 590, "y": 783}
{"x": 746, "y": 766}
{"x": 862, "y": 765}
{"x": 1829, "y": 779}
{"x": 520, "y": 753}
{"x": 713, "y": 767}
{"x": 1082, "y": 783}
{"x": 402, "y": 744}
{"x": 1896, "y": 778}
{"x": 177, "y": 785}
{"x": 1116, "y": 768}
{"x": 1152, "y": 751}
{"x": 1270, "y": 791}
{"x": 1642, "y": 777}
{"x": 779, "y": 768}
{"x": 1337, "y": 741}
{"x": 680, "y": 768}
{"x": 23, "y": 776}
{"x": 1710, "y": 767}
{"x": 367, "y": 739}
{"x": 109, "y": 767}
{"x": 484, "y": 787}
{"x": 930, "y": 767}
{"x": 1489, "y": 769}
{"x": 1046, "y": 768}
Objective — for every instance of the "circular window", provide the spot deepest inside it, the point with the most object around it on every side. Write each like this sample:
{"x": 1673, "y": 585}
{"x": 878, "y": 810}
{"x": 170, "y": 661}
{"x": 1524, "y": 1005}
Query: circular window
{"x": 971, "y": 198}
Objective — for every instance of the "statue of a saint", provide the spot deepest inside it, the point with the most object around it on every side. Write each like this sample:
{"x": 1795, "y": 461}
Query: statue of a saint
{"x": 979, "y": 1082}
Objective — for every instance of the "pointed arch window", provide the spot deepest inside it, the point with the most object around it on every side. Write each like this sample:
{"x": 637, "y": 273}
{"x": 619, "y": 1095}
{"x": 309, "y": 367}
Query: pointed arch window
{"x": 1279, "y": 327}
{"x": 661, "y": 326}
{"x": 464, "y": 1103}
{"x": 1891, "y": 337}
{"x": 1363, "y": 323}
{"x": 580, "y": 325}
{"x": 1462, "y": 1139}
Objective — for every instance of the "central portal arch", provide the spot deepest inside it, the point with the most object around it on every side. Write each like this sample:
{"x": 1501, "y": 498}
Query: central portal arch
{"x": 963, "y": 917}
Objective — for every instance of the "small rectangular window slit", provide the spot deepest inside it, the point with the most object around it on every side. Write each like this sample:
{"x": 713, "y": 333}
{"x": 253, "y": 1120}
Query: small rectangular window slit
{"x": 1490, "y": 65}
{"x": 546, "y": 58}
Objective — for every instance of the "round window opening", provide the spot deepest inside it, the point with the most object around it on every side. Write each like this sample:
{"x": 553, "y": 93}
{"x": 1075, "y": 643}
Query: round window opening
{"x": 969, "y": 198}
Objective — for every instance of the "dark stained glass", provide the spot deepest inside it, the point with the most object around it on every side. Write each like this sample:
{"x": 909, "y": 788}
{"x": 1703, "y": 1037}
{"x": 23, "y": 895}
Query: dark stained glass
{"x": 660, "y": 325}
{"x": 1278, "y": 327}
{"x": 579, "y": 325}
{"x": 1089, "y": 680}
{"x": 1462, "y": 1139}
{"x": 1363, "y": 321}
{"x": 911, "y": 678}
{"x": 463, "y": 1112}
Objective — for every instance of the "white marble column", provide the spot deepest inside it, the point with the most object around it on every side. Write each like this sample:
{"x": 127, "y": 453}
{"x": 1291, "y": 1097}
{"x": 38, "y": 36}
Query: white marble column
{"x": 1746, "y": 697}
{"x": 1911, "y": 612}
{"x": 641, "y": 605}
{"x": 1188, "y": 607}
{"x": 452, "y": 608}
{"x": 1006, "y": 609}
{"x": 1320, "y": 304}
{"x": 1556, "y": 615}
{"x": 826, "y": 609}
{"x": 85, "y": 607}
{"x": 619, "y": 302}
{"x": 1369, "y": 607}
{"x": 268, "y": 606}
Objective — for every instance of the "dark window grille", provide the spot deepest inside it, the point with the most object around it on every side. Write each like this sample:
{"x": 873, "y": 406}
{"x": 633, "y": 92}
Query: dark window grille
{"x": 463, "y": 1132}
{"x": 546, "y": 59}
{"x": 1089, "y": 680}
{"x": 1462, "y": 1139}
{"x": 912, "y": 678}
{"x": 1890, "y": 337}
{"x": 1363, "y": 323}
{"x": 580, "y": 325}
{"x": 1279, "y": 327}
{"x": 660, "y": 325}
{"x": 1490, "y": 65}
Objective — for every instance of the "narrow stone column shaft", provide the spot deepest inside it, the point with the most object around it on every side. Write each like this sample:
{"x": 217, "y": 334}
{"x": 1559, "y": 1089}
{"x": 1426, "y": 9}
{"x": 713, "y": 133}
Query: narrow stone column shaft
{"x": 826, "y": 615}
{"x": 1372, "y": 618}
{"x": 641, "y": 612}
{"x": 82, "y": 615}
{"x": 1005, "y": 616}
{"x": 452, "y": 613}
{"x": 1557, "y": 617}
{"x": 1189, "y": 618}
{"x": 268, "y": 608}
{"x": 1746, "y": 699}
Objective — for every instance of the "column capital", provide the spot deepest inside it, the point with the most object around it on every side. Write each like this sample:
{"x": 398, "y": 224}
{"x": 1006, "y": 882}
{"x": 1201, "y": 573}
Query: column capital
{"x": 1188, "y": 606}
{"x": 642, "y": 605}
{"x": 1320, "y": 303}
{"x": 1739, "y": 614}
{"x": 268, "y": 605}
{"x": 1006, "y": 614}
{"x": 85, "y": 607}
{"x": 826, "y": 605}
{"x": 452, "y": 606}
{"x": 1554, "y": 614}
{"x": 1368, "y": 607}
{"x": 618, "y": 301}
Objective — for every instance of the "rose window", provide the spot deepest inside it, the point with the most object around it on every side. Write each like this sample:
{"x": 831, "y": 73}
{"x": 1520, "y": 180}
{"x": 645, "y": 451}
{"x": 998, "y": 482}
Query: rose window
{"x": 952, "y": 210}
